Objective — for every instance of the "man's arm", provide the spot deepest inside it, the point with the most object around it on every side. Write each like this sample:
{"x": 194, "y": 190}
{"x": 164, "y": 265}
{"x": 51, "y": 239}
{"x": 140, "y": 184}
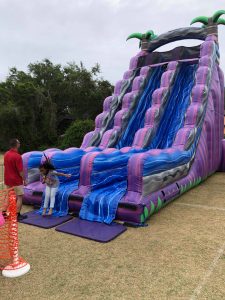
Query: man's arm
{"x": 24, "y": 179}
{"x": 19, "y": 166}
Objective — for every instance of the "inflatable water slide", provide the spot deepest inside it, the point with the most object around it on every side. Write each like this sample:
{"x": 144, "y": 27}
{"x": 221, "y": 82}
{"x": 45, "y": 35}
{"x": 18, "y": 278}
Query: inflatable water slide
{"x": 159, "y": 135}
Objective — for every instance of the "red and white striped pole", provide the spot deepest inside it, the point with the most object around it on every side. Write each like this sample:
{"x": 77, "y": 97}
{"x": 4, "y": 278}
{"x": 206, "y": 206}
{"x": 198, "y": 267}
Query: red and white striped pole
{"x": 19, "y": 266}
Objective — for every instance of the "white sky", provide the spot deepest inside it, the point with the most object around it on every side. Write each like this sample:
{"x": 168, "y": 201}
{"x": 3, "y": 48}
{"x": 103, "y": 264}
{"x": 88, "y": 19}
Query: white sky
{"x": 91, "y": 30}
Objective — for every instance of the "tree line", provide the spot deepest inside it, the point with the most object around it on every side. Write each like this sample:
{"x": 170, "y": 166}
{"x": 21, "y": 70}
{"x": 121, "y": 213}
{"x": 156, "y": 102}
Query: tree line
{"x": 50, "y": 105}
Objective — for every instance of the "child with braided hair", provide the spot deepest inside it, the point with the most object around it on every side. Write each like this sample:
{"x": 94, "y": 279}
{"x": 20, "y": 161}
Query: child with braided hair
{"x": 50, "y": 178}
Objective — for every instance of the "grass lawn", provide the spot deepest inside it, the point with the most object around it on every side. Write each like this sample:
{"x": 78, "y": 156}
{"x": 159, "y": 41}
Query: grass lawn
{"x": 180, "y": 255}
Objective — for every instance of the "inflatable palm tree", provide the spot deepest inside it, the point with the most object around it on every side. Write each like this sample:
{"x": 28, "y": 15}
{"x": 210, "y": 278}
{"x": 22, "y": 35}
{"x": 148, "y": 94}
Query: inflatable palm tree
{"x": 143, "y": 37}
{"x": 211, "y": 23}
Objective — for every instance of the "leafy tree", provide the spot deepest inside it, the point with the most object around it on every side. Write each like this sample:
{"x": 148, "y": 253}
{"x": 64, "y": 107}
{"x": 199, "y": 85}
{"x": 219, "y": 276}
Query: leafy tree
{"x": 75, "y": 133}
{"x": 33, "y": 104}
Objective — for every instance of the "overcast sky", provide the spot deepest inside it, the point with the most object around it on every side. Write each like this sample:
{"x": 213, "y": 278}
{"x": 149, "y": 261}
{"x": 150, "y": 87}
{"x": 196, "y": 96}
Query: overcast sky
{"x": 91, "y": 30}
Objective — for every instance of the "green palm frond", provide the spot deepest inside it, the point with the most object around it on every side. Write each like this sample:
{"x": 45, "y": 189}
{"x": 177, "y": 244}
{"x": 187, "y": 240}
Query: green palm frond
{"x": 146, "y": 213}
{"x": 152, "y": 208}
{"x": 136, "y": 35}
{"x": 220, "y": 21}
{"x": 217, "y": 14}
{"x": 150, "y": 35}
{"x": 202, "y": 19}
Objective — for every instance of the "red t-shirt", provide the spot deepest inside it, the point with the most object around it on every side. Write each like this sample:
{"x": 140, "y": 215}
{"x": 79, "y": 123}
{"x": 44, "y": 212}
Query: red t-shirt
{"x": 13, "y": 164}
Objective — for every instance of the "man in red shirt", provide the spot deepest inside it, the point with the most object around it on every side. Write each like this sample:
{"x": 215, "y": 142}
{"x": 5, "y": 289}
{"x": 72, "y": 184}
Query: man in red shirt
{"x": 13, "y": 174}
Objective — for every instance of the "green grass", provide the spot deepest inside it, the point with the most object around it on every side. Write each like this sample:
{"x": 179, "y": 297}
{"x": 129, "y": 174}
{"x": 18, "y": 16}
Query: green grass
{"x": 166, "y": 260}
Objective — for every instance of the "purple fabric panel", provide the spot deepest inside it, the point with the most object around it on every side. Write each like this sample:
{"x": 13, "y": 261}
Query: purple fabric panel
{"x": 134, "y": 60}
{"x": 140, "y": 136}
{"x": 117, "y": 88}
{"x": 89, "y": 149}
{"x": 87, "y": 139}
{"x": 120, "y": 115}
{"x": 222, "y": 163}
{"x": 132, "y": 197}
{"x": 216, "y": 101}
{"x": 128, "y": 100}
{"x": 166, "y": 77}
{"x": 182, "y": 136}
{"x": 221, "y": 113}
{"x": 212, "y": 37}
{"x": 151, "y": 115}
{"x": 99, "y": 119}
{"x": 198, "y": 92}
{"x": 206, "y": 48}
{"x": 202, "y": 75}
{"x": 82, "y": 191}
{"x": 107, "y": 103}
{"x": 108, "y": 150}
{"x": 36, "y": 186}
{"x": 138, "y": 81}
{"x": 125, "y": 149}
{"x": 86, "y": 168}
{"x": 106, "y": 137}
{"x": 144, "y": 71}
{"x": 205, "y": 61}
{"x": 127, "y": 74}
{"x": 157, "y": 96}
{"x": 212, "y": 122}
{"x": 192, "y": 114}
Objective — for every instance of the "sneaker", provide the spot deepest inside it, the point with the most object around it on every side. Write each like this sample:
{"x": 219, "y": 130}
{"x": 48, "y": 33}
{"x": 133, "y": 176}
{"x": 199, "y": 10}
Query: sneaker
{"x": 21, "y": 217}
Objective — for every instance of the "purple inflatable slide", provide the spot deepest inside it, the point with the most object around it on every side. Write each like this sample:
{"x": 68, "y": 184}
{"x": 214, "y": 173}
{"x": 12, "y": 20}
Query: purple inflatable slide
{"x": 159, "y": 135}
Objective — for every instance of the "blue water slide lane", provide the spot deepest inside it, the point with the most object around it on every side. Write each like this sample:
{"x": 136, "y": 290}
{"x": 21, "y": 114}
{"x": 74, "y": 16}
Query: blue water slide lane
{"x": 174, "y": 114}
{"x": 110, "y": 172}
{"x": 137, "y": 120}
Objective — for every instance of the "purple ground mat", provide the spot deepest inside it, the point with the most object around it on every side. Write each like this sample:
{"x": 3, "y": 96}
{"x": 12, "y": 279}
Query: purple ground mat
{"x": 92, "y": 230}
{"x": 44, "y": 222}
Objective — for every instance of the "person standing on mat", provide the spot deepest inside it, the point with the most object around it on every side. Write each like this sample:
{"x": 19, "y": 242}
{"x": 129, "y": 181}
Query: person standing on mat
{"x": 14, "y": 175}
{"x": 50, "y": 178}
